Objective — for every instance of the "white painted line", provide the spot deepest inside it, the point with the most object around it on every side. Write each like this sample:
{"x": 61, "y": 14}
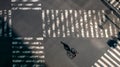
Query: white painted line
{"x": 26, "y": 43}
{"x": 67, "y": 23}
{"x": 100, "y": 13}
{"x": 42, "y": 56}
{"x": 47, "y": 12}
{"x": 81, "y": 24}
{"x": 29, "y": 4}
{"x": 116, "y": 57}
{"x": 97, "y": 65}
{"x": 36, "y": 47}
{"x": 36, "y": 43}
{"x": 112, "y": 1}
{"x": 118, "y": 47}
{"x": 91, "y": 24}
{"x": 105, "y": 60}
{"x": 106, "y": 33}
{"x": 115, "y": 5}
{"x": 49, "y": 31}
{"x": 61, "y": 17}
{"x": 34, "y": 0}
{"x": 37, "y": 52}
{"x": 10, "y": 22}
{"x": 112, "y": 60}
{"x": 39, "y": 4}
{"x": 102, "y": 63}
{"x": 13, "y": 0}
{"x": 0, "y": 12}
{"x": 53, "y": 16}
{"x": 28, "y": 38}
{"x": 117, "y": 52}
{"x": 110, "y": 28}
{"x": 96, "y": 27}
{"x": 53, "y": 26}
{"x": 58, "y": 32}
{"x": 63, "y": 30}
{"x": 58, "y": 22}
{"x": 24, "y": 8}
{"x": 86, "y": 23}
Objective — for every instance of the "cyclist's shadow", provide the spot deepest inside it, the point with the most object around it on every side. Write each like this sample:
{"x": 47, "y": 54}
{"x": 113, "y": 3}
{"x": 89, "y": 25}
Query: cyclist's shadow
{"x": 71, "y": 52}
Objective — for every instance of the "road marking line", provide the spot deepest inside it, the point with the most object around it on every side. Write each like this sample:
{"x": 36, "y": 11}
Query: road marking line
{"x": 70, "y": 17}
{"x": 112, "y": 1}
{"x": 102, "y": 63}
{"x": 110, "y": 28}
{"x": 116, "y": 57}
{"x": 109, "y": 63}
{"x": 106, "y": 33}
{"x": 97, "y": 65}
{"x": 118, "y": 47}
{"x": 117, "y": 52}
{"x": 111, "y": 60}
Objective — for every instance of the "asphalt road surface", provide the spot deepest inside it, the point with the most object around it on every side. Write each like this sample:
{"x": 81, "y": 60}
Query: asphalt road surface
{"x": 74, "y": 22}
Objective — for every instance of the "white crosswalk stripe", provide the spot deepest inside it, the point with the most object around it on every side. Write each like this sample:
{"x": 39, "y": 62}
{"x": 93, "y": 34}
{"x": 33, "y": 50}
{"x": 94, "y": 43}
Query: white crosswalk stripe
{"x": 26, "y": 5}
{"x": 102, "y": 63}
{"x": 21, "y": 53}
{"x": 117, "y": 52}
{"x": 109, "y": 63}
{"x": 115, "y": 4}
{"x": 97, "y": 65}
{"x": 118, "y": 47}
{"x": 110, "y": 59}
{"x": 116, "y": 57}
{"x": 76, "y": 23}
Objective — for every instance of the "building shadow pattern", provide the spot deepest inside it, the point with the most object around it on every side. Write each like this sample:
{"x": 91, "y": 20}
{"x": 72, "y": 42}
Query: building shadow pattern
{"x": 18, "y": 51}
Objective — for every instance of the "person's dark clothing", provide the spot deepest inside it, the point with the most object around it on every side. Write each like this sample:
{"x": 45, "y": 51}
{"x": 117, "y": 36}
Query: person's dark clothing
{"x": 112, "y": 43}
{"x": 118, "y": 38}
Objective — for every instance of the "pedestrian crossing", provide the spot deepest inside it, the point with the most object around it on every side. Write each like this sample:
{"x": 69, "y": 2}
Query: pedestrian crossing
{"x": 26, "y": 4}
{"x": 5, "y": 23}
{"x": 76, "y": 23}
{"x": 115, "y": 3}
{"x": 110, "y": 59}
{"x": 28, "y": 51}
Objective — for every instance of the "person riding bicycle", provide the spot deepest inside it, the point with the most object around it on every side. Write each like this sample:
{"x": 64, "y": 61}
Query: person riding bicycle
{"x": 70, "y": 51}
